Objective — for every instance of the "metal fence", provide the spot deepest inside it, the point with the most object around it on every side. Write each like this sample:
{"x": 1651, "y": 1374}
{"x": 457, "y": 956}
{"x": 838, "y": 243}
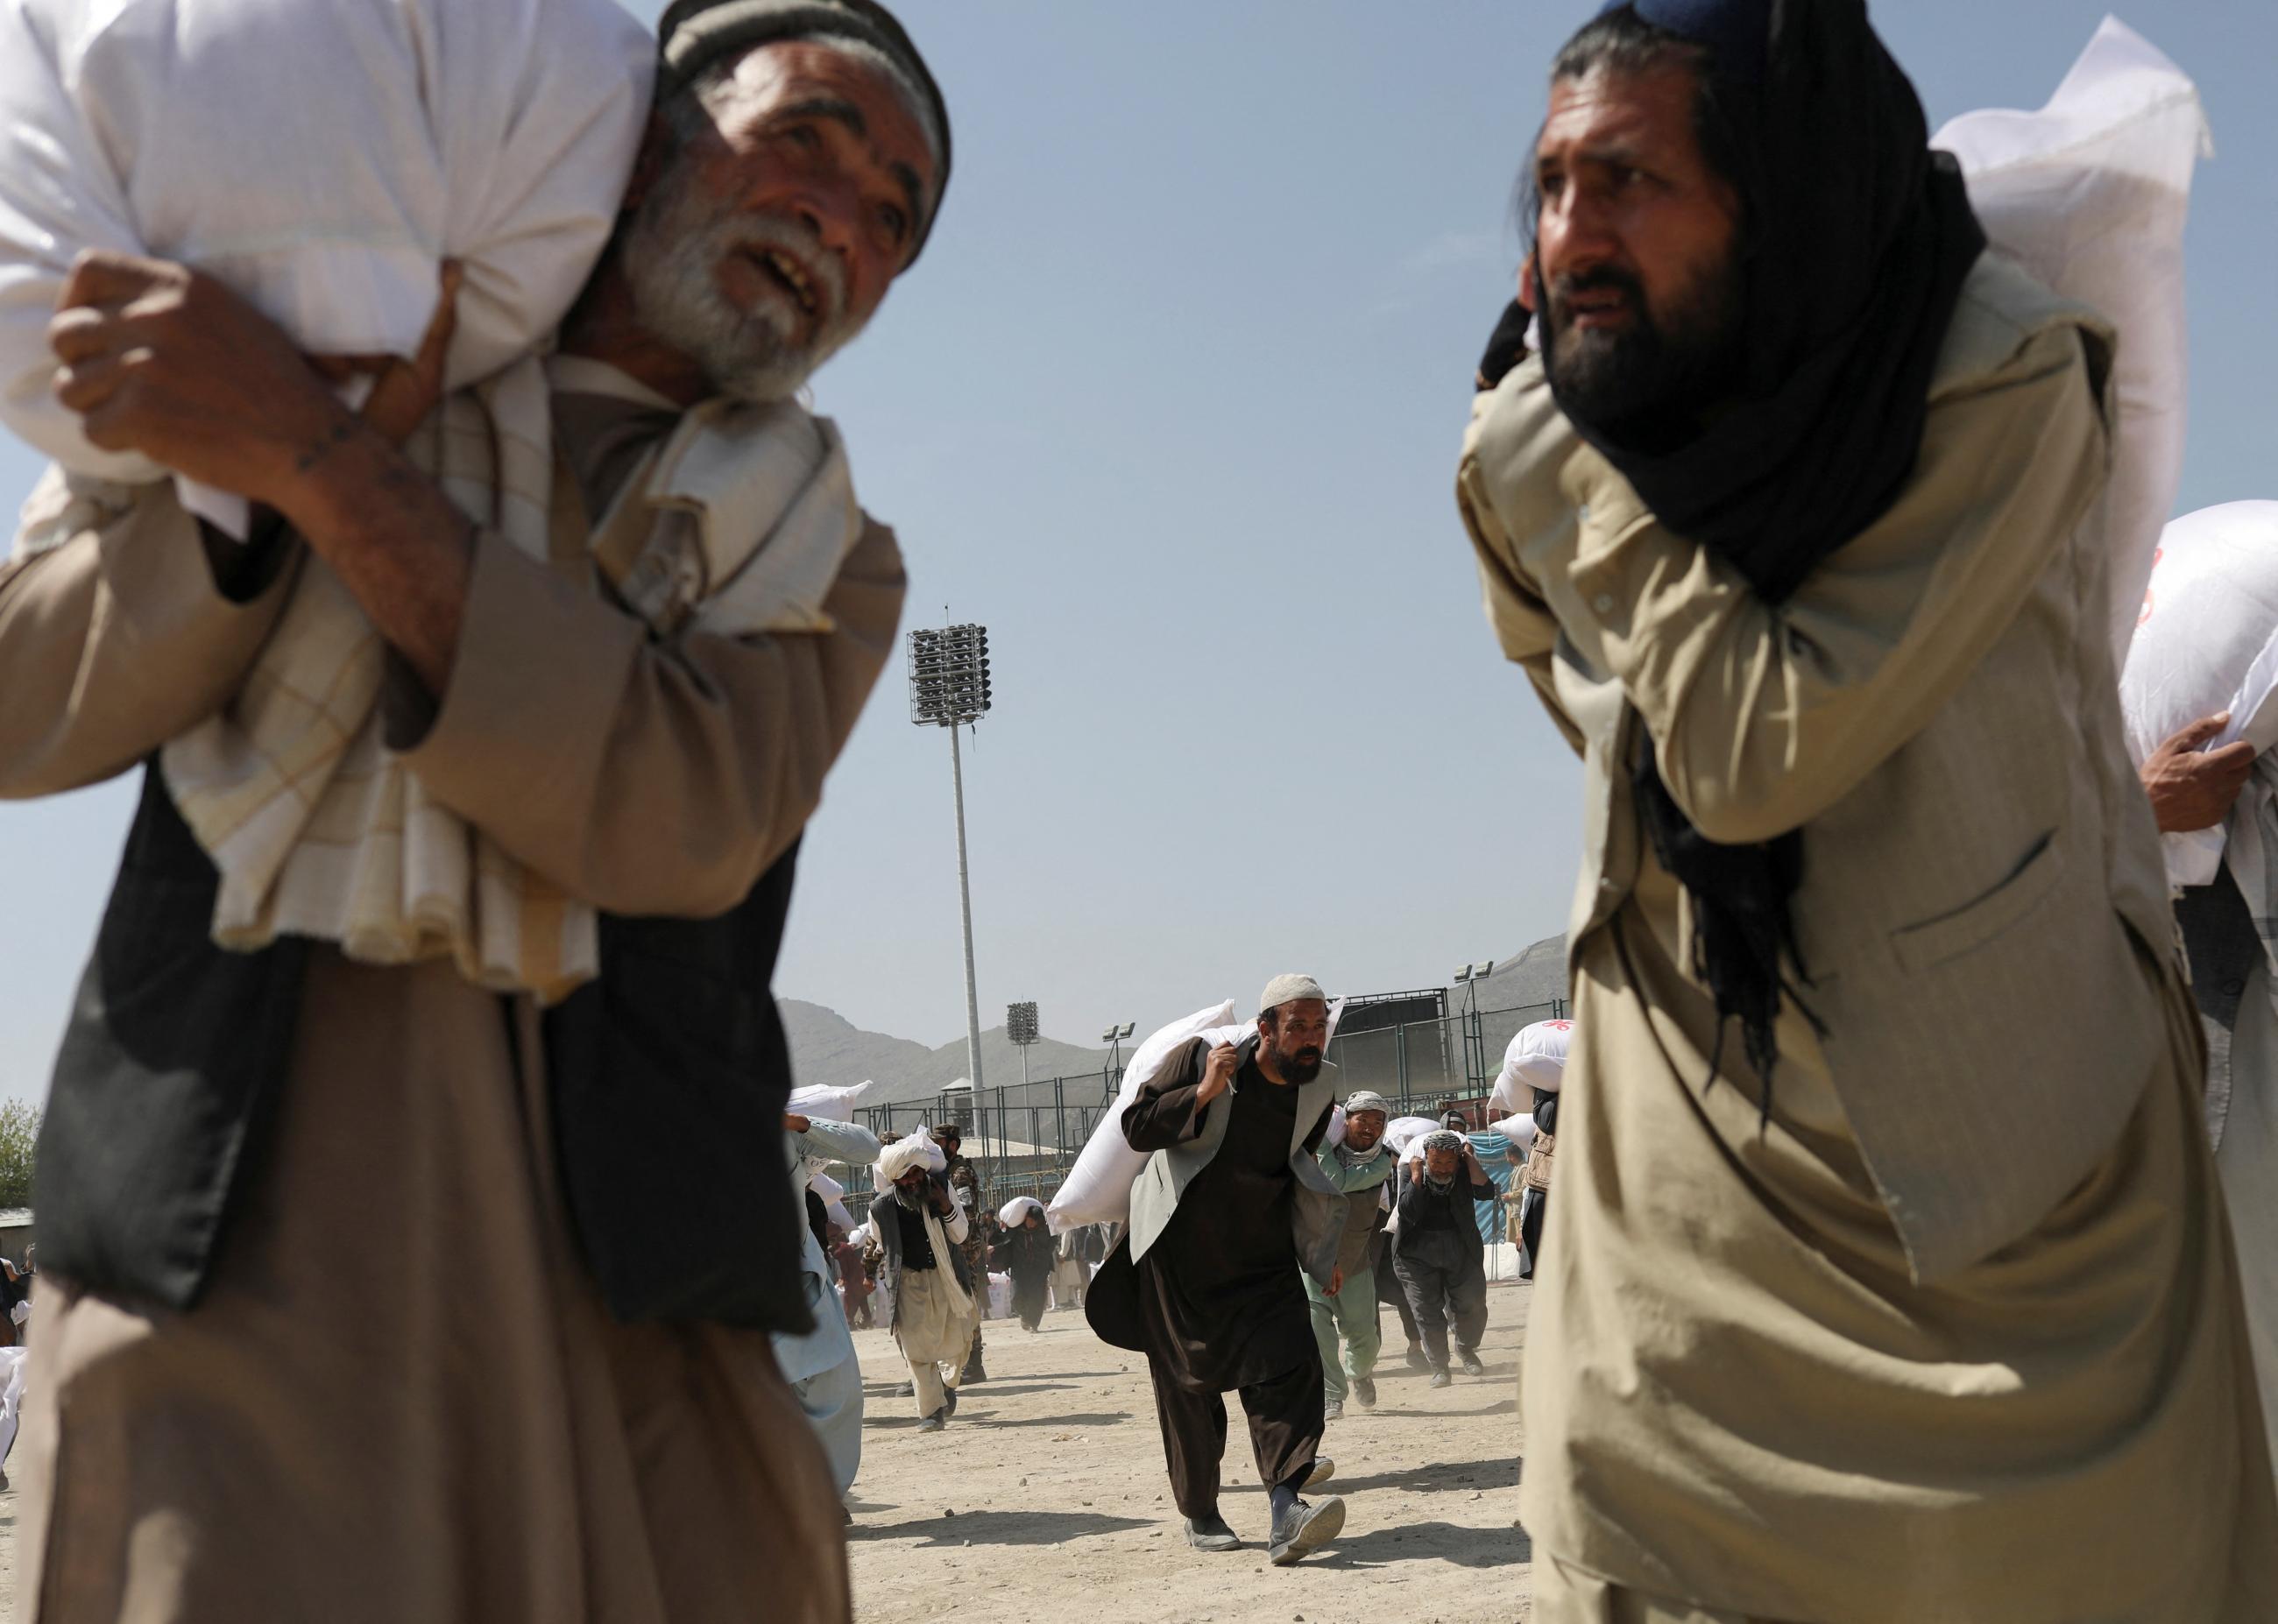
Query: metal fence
{"x": 1025, "y": 1137}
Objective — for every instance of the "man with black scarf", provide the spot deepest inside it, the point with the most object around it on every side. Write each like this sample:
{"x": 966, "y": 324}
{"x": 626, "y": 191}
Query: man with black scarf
{"x": 1892, "y": 1267}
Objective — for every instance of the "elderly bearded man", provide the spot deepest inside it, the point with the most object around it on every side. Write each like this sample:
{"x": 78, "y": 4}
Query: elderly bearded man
{"x": 1358, "y": 1168}
{"x": 1230, "y": 1208}
{"x": 574, "y": 1412}
{"x": 1892, "y": 1268}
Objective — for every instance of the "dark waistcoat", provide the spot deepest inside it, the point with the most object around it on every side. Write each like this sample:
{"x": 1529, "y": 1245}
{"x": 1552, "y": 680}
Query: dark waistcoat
{"x": 668, "y": 1075}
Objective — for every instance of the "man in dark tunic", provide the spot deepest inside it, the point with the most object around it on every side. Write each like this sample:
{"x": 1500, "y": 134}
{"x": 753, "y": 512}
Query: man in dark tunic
{"x": 1439, "y": 1253}
{"x": 1026, "y": 1253}
{"x": 973, "y": 1195}
{"x": 1231, "y": 1205}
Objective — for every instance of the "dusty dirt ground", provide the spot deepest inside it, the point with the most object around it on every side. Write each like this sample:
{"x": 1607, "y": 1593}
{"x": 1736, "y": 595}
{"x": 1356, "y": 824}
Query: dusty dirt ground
{"x": 1046, "y": 1500}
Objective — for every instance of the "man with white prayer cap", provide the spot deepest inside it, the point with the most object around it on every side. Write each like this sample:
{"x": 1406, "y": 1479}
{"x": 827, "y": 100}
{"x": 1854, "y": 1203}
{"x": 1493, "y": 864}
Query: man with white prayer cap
{"x": 929, "y": 1291}
{"x": 1347, "y": 1310}
{"x": 1230, "y": 1208}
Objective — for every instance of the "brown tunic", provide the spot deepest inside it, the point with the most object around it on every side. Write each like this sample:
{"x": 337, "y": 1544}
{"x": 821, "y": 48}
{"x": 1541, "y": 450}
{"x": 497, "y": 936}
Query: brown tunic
{"x": 401, "y": 1397}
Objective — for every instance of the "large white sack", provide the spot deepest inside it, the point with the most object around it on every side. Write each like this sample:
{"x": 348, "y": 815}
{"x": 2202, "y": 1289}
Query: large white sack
{"x": 1014, "y": 1213}
{"x": 1534, "y": 1058}
{"x": 2090, "y": 195}
{"x": 2208, "y": 644}
{"x": 831, "y": 1104}
{"x": 1402, "y": 1131}
{"x": 1098, "y": 1190}
{"x": 321, "y": 159}
{"x": 1519, "y": 1130}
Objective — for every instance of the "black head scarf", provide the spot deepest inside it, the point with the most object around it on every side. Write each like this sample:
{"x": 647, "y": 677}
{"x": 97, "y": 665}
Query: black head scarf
{"x": 1857, "y": 238}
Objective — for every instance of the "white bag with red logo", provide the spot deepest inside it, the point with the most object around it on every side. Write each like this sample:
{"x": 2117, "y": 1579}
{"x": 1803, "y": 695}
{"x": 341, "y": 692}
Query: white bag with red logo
{"x": 1535, "y": 1059}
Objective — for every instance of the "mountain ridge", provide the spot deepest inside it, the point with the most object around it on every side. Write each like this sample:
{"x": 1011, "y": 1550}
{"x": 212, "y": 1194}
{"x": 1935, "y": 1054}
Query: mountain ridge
{"x": 830, "y": 1050}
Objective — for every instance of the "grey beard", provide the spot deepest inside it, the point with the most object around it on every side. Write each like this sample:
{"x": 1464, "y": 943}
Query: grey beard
{"x": 671, "y": 257}
{"x": 912, "y": 1201}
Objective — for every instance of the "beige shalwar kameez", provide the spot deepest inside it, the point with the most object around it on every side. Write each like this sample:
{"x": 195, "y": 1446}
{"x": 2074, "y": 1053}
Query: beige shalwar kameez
{"x": 1746, "y": 1396}
{"x": 401, "y": 1397}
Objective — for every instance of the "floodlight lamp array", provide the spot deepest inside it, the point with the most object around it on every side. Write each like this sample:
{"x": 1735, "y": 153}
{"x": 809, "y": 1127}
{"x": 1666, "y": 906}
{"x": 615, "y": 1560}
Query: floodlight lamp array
{"x": 949, "y": 676}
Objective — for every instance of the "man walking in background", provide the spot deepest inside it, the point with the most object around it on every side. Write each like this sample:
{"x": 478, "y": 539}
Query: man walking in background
{"x": 1439, "y": 1253}
{"x": 1230, "y": 1208}
{"x": 1347, "y": 1310}
{"x": 919, "y": 1226}
{"x": 972, "y": 1197}
{"x": 824, "y": 1375}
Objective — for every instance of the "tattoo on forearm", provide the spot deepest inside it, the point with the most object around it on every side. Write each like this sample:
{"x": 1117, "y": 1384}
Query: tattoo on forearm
{"x": 342, "y": 431}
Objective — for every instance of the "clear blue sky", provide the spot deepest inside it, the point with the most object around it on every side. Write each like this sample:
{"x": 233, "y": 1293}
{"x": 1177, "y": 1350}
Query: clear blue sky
{"x": 1172, "y": 404}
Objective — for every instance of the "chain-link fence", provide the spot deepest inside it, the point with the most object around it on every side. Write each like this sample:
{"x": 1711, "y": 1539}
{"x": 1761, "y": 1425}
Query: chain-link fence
{"x": 1025, "y": 1137}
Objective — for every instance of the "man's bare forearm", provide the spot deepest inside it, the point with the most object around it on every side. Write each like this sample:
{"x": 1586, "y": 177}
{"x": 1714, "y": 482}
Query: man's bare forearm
{"x": 399, "y": 544}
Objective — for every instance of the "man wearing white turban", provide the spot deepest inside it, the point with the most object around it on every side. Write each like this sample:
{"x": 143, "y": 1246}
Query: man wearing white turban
{"x": 920, "y": 1227}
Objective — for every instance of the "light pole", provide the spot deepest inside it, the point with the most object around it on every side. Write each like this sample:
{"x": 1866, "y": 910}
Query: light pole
{"x": 1021, "y": 1027}
{"x": 949, "y": 688}
{"x": 1475, "y": 1035}
{"x": 1115, "y": 1036}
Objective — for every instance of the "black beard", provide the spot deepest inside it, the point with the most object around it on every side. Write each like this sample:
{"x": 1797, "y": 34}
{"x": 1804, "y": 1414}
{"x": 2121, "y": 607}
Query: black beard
{"x": 1650, "y": 382}
{"x": 1300, "y": 1067}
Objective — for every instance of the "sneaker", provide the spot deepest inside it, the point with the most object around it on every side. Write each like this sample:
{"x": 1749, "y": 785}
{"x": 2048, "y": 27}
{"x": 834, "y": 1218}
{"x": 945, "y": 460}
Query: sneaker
{"x": 909, "y": 1390}
{"x": 1416, "y": 1360}
{"x": 1471, "y": 1365}
{"x": 1333, "y": 1410}
{"x": 1304, "y": 1530}
{"x": 934, "y": 1423}
{"x": 1440, "y": 1378}
{"x": 1324, "y": 1468}
{"x": 1363, "y": 1392}
{"x": 1211, "y": 1534}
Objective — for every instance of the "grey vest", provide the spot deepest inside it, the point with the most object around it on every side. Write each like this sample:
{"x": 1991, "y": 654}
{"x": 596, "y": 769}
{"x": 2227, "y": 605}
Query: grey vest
{"x": 1316, "y": 1211}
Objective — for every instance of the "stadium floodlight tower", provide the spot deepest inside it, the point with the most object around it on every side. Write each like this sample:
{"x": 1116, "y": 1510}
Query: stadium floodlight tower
{"x": 1021, "y": 1027}
{"x": 949, "y": 689}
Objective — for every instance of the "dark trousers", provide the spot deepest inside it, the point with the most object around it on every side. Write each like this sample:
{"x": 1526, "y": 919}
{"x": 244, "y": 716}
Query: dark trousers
{"x": 1535, "y": 1207}
{"x": 1441, "y": 1289}
{"x": 1389, "y": 1288}
{"x": 1284, "y": 1433}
